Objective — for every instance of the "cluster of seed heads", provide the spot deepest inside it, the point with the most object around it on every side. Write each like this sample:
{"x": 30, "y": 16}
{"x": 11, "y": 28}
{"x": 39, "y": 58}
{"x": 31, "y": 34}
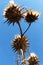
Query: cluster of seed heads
{"x": 13, "y": 14}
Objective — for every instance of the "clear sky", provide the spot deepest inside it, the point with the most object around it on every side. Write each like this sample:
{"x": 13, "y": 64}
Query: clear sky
{"x": 34, "y": 34}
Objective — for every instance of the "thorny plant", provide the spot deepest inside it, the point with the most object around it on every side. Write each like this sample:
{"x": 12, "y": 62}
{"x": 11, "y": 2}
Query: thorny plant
{"x": 13, "y": 14}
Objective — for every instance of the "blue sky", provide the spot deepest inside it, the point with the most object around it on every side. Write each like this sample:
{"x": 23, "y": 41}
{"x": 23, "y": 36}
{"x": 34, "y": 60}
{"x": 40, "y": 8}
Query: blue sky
{"x": 34, "y": 34}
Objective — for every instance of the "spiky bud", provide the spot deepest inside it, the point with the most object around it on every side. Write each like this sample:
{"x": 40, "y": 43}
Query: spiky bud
{"x": 20, "y": 43}
{"x": 12, "y": 13}
{"x": 31, "y": 15}
{"x": 33, "y": 59}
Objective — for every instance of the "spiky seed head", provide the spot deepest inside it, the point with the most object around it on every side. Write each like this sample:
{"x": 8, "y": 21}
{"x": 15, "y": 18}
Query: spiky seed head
{"x": 12, "y": 13}
{"x": 20, "y": 42}
{"x": 33, "y": 59}
{"x": 31, "y": 15}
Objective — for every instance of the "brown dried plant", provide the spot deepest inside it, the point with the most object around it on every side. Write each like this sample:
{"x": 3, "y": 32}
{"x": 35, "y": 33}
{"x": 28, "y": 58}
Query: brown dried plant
{"x": 12, "y": 13}
{"x": 20, "y": 43}
{"x": 31, "y": 15}
{"x": 33, "y": 59}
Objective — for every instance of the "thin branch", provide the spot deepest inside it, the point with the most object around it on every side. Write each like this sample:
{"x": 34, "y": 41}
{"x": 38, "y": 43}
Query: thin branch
{"x": 26, "y": 29}
{"x": 20, "y": 28}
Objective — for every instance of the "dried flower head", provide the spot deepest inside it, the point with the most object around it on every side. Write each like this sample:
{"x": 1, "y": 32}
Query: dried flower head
{"x": 33, "y": 59}
{"x": 20, "y": 42}
{"x": 31, "y": 15}
{"x": 12, "y": 13}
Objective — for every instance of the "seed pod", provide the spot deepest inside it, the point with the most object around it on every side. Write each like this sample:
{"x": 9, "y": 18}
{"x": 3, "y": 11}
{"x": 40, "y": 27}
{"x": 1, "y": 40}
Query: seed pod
{"x": 30, "y": 16}
{"x": 12, "y": 13}
{"x": 20, "y": 43}
{"x": 33, "y": 59}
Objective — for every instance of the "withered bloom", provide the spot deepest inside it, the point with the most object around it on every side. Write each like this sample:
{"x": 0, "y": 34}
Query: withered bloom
{"x": 12, "y": 13}
{"x": 33, "y": 59}
{"x": 20, "y": 43}
{"x": 31, "y": 15}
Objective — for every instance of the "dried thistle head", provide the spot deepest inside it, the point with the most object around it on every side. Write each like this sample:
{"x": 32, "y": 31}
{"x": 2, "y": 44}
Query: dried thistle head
{"x": 12, "y": 13}
{"x": 20, "y": 42}
{"x": 33, "y": 59}
{"x": 31, "y": 15}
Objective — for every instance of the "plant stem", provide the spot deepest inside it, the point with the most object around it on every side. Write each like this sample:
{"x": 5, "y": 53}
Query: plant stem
{"x": 20, "y": 28}
{"x": 26, "y": 29}
{"x": 23, "y": 56}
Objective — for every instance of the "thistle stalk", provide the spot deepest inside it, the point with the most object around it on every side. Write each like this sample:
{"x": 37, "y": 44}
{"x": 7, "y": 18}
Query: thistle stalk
{"x": 26, "y": 29}
{"x": 20, "y": 28}
{"x": 23, "y": 56}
